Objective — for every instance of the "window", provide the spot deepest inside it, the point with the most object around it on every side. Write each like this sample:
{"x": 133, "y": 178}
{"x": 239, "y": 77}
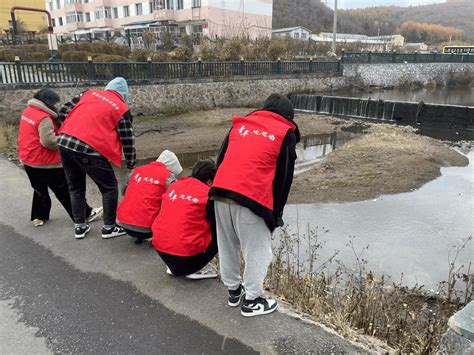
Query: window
{"x": 169, "y": 4}
{"x": 60, "y": 19}
{"x": 126, "y": 11}
{"x": 138, "y": 9}
{"x": 58, "y": 4}
{"x": 296, "y": 35}
{"x": 102, "y": 12}
{"x": 152, "y": 6}
{"x": 115, "y": 12}
{"x": 50, "y": 6}
{"x": 72, "y": 1}
{"x": 86, "y": 1}
{"x": 54, "y": 22}
{"x": 180, "y": 4}
{"x": 196, "y": 3}
{"x": 88, "y": 17}
{"x": 73, "y": 17}
{"x": 303, "y": 35}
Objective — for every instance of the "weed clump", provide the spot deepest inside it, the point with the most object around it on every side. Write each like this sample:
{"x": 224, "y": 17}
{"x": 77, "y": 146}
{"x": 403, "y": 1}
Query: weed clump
{"x": 356, "y": 302}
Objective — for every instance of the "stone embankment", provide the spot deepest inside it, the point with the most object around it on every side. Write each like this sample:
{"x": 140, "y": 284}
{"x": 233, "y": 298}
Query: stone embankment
{"x": 187, "y": 96}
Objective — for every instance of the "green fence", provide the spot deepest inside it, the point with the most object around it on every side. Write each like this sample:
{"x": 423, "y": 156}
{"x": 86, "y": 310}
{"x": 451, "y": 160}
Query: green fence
{"x": 72, "y": 72}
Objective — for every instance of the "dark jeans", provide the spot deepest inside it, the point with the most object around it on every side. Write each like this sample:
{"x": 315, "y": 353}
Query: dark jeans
{"x": 77, "y": 166}
{"x": 185, "y": 265}
{"x": 55, "y": 179}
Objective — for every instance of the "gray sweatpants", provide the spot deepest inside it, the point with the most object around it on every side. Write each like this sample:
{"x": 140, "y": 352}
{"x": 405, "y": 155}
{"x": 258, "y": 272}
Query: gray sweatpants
{"x": 238, "y": 229}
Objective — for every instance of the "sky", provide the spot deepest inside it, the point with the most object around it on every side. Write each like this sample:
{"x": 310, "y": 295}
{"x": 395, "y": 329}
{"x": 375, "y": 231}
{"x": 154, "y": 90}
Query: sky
{"x": 354, "y": 4}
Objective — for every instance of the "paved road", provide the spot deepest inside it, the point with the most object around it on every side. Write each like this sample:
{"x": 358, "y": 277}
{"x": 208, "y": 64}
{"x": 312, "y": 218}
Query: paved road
{"x": 58, "y": 294}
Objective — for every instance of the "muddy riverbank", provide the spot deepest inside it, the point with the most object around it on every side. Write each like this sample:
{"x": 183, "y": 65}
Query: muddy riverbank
{"x": 381, "y": 159}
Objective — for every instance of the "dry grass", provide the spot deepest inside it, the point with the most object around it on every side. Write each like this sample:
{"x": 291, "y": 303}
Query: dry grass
{"x": 8, "y": 138}
{"x": 356, "y": 302}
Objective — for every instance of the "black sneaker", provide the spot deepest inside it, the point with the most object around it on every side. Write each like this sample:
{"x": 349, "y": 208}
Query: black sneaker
{"x": 235, "y": 296}
{"x": 112, "y": 232}
{"x": 258, "y": 307}
{"x": 80, "y": 232}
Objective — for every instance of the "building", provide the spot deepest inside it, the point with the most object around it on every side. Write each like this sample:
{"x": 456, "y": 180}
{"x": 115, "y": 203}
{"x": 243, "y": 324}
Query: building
{"x": 419, "y": 47}
{"x": 374, "y": 43}
{"x": 32, "y": 21}
{"x": 292, "y": 32}
{"x": 212, "y": 18}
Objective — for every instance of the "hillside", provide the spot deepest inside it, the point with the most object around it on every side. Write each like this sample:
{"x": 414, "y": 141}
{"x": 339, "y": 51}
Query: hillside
{"x": 371, "y": 21}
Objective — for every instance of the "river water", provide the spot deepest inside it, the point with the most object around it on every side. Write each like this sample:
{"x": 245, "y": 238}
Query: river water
{"x": 410, "y": 233}
{"x": 463, "y": 96}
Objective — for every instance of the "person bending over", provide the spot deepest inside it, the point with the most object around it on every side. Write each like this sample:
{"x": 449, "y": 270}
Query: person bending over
{"x": 97, "y": 127}
{"x": 254, "y": 175}
{"x": 184, "y": 231}
{"x": 38, "y": 151}
{"x": 142, "y": 201}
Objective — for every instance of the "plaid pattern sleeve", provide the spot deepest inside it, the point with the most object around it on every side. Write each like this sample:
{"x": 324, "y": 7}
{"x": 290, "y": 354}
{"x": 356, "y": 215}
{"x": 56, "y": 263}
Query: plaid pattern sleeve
{"x": 125, "y": 132}
{"x": 72, "y": 143}
{"x": 67, "y": 107}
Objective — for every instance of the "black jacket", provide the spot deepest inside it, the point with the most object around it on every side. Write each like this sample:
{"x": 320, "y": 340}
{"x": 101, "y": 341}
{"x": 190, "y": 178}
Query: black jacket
{"x": 281, "y": 182}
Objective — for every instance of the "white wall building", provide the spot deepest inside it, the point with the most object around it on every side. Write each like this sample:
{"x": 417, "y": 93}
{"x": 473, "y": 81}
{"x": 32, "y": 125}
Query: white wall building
{"x": 299, "y": 32}
{"x": 221, "y": 18}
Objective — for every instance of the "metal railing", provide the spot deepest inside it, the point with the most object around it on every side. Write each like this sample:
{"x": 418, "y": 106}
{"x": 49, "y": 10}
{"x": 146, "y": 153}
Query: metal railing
{"x": 72, "y": 72}
{"x": 394, "y": 57}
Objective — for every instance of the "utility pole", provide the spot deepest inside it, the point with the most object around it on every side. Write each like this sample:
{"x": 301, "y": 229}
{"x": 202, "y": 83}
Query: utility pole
{"x": 334, "y": 28}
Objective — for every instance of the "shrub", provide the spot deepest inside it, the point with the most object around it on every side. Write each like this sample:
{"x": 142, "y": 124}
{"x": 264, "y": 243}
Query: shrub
{"x": 7, "y": 55}
{"x": 110, "y": 58}
{"x": 182, "y": 54}
{"x": 160, "y": 57}
{"x": 75, "y": 56}
{"x": 141, "y": 55}
{"x": 37, "y": 57}
{"x": 96, "y": 48}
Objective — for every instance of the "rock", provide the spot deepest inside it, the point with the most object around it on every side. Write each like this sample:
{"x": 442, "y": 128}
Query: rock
{"x": 460, "y": 335}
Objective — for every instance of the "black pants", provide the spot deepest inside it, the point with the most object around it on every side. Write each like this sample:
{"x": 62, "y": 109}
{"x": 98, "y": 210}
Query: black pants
{"x": 137, "y": 234}
{"x": 55, "y": 179}
{"x": 185, "y": 265}
{"x": 77, "y": 166}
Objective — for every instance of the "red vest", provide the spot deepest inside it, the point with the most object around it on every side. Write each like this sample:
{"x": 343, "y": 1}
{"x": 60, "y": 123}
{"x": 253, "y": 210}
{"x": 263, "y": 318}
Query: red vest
{"x": 142, "y": 201}
{"x": 94, "y": 121}
{"x": 182, "y": 227}
{"x": 30, "y": 149}
{"x": 251, "y": 158}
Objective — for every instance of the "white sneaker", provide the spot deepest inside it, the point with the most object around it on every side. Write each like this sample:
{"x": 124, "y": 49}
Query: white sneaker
{"x": 95, "y": 214}
{"x": 117, "y": 231}
{"x": 207, "y": 272}
{"x": 168, "y": 271}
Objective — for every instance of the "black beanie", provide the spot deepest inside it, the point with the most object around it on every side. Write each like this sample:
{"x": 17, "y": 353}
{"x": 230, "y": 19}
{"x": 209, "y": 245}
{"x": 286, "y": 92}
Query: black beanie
{"x": 279, "y": 104}
{"x": 204, "y": 170}
{"x": 48, "y": 97}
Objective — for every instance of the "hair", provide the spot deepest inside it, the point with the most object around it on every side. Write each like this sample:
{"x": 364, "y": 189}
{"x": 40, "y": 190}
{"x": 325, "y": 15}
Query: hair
{"x": 49, "y": 97}
{"x": 204, "y": 170}
{"x": 279, "y": 104}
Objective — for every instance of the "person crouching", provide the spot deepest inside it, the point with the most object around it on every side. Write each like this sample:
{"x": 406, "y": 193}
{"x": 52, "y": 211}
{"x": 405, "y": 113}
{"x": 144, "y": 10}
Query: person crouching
{"x": 142, "y": 201}
{"x": 184, "y": 231}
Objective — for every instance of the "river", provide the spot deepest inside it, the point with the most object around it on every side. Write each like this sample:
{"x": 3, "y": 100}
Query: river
{"x": 411, "y": 233}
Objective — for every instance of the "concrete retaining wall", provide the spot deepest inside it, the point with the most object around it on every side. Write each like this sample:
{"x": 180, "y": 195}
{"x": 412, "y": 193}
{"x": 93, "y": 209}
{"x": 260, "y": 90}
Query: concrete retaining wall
{"x": 179, "y": 97}
{"x": 443, "y": 121}
{"x": 403, "y": 74}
